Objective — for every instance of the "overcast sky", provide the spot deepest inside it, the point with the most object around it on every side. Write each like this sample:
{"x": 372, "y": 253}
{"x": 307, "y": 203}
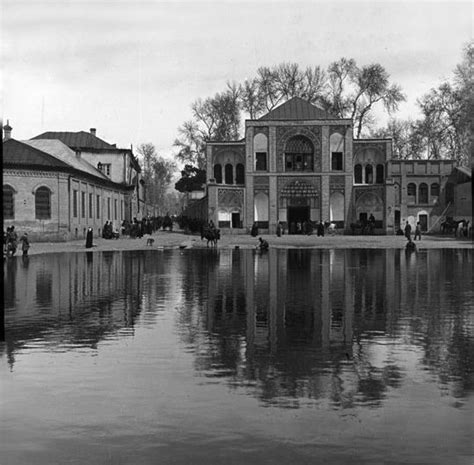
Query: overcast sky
{"x": 131, "y": 69}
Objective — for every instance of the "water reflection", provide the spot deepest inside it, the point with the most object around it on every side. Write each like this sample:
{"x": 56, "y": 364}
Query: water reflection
{"x": 295, "y": 326}
{"x": 291, "y": 327}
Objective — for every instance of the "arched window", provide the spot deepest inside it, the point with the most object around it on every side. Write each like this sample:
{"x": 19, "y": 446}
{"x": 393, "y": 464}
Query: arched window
{"x": 8, "y": 203}
{"x": 260, "y": 145}
{"x": 336, "y": 148}
{"x": 423, "y": 193}
{"x": 218, "y": 173}
{"x": 435, "y": 189}
{"x": 369, "y": 174}
{"x": 379, "y": 174}
{"x": 358, "y": 174}
{"x": 411, "y": 193}
{"x": 43, "y": 203}
{"x": 239, "y": 174}
{"x": 299, "y": 154}
{"x": 229, "y": 174}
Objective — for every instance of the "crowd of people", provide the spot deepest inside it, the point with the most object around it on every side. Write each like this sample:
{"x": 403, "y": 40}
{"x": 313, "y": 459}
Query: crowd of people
{"x": 138, "y": 228}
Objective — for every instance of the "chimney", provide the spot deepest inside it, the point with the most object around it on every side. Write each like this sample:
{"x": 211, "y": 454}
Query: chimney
{"x": 93, "y": 130}
{"x": 7, "y": 131}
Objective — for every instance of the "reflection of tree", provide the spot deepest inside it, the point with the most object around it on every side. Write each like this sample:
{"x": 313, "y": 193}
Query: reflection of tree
{"x": 293, "y": 348}
{"x": 290, "y": 326}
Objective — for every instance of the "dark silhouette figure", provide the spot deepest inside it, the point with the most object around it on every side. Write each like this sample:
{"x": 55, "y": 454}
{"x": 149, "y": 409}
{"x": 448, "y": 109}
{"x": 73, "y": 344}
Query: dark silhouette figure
{"x": 411, "y": 246}
{"x": 25, "y": 244}
{"x": 263, "y": 244}
{"x": 279, "y": 228}
{"x": 320, "y": 229}
{"x": 417, "y": 231}
{"x": 254, "y": 230}
{"x": 408, "y": 231}
{"x": 89, "y": 238}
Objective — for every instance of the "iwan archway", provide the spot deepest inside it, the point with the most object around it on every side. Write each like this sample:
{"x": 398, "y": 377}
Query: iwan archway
{"x": 299, "y": 204}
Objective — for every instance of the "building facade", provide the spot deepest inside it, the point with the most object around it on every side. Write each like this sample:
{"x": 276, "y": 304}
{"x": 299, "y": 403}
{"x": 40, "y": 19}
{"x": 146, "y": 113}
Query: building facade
{"x": 299, "y": 164}
{"x": 51, "y": 193}
{"x": 117, "y": 164}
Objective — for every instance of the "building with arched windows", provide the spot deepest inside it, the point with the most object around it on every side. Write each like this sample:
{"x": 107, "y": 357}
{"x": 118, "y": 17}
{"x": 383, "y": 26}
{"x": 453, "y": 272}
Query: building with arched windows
{"x": 55, "y": 193}
{"x": 300, "y": 164}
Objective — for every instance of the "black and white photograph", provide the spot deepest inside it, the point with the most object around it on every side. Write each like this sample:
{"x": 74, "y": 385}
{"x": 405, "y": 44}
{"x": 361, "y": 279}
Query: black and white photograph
{"x": 237, "y": 232}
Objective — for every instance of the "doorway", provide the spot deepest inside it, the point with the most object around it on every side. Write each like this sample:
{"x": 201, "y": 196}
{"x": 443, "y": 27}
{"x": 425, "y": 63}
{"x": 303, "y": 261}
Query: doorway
{"x": 236, "y": 220}
{"x": 397, "y": 220}
{"x": 423, "y": 219}
{"x": 296, "y": 217}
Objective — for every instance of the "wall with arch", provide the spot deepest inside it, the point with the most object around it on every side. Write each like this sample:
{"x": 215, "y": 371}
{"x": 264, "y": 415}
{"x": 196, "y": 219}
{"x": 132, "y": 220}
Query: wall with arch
{"x": 228, "y": 167}
{"x": 369, "y": 163}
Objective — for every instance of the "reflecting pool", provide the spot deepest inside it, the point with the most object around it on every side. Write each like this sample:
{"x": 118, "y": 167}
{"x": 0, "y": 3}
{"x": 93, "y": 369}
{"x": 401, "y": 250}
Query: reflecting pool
{"x": 231, "y": 356}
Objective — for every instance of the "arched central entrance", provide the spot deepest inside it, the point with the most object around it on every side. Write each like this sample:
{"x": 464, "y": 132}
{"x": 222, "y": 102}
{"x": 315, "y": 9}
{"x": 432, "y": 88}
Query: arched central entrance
{"x": 301, "y": 200}
{"x": 298, "y": 214}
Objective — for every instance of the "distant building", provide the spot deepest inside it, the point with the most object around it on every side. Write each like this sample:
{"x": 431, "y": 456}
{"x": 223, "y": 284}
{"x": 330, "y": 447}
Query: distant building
{"x": 300, "y": 164}
{"x": 55, "y": 188}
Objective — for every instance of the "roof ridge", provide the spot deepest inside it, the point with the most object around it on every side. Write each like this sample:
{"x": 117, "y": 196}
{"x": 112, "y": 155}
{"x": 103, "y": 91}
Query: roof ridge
{"x": 297, "y": 108}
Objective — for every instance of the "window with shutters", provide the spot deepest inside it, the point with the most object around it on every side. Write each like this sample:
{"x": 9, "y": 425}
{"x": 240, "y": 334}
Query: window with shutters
{"x": 43, "y": 203}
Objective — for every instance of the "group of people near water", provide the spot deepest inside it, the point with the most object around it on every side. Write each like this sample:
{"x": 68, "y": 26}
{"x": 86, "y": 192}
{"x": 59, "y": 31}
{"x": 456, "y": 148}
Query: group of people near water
{"x": 134, "y": 229}
{"x": 10, "y": 242}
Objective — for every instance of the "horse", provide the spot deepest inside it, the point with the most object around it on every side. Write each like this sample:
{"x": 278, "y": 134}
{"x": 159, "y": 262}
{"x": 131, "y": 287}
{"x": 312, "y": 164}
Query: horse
{"x": 211, "y": 235}
{"x": 450, "y": 226}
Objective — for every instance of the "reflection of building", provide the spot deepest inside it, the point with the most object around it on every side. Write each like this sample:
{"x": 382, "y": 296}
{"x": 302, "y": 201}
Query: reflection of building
{"x": 292, "y": 319}
{"x": 298, "y": 163}
{"x": 289, "y": 296}
{"x": 76, "y": 298}
{"x": 58, "y": 184}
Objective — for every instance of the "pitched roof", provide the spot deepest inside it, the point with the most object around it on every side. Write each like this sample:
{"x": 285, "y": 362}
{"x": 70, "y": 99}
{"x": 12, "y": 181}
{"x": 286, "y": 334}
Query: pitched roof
{"x": 62, "y": 152}
{"x": 77, "y": 140}
{"x": 297, "y": 109}
{"x": 466, "y": 171}
{"x": 19, "y": 153}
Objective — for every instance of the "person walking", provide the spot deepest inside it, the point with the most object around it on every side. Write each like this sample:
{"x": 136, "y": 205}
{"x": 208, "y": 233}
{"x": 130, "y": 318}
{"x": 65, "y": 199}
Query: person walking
{"x": 417, "y": 231}
{"x": 25, "y": 244}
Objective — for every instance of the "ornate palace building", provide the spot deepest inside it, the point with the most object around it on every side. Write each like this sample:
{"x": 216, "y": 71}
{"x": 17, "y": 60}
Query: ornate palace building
{"x": 298, "y": 163}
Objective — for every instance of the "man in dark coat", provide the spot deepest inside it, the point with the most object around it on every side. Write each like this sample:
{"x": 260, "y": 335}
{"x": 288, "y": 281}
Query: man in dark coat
{"x": 408, "y": 231}
{"x": 89, "y": 238}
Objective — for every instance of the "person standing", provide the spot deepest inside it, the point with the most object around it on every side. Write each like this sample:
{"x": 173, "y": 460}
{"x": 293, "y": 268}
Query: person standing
{"x": 89, "y": 236}
{"x": 320, "y": 229}
{"x": 25, "y": 244}
{"x": 417, "y": 231}
{"x": 408, "y": 231}
{"x": 254, "y": 230}
{"x": 278, "y": 231}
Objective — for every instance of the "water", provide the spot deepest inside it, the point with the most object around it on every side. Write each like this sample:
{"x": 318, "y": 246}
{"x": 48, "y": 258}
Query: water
{"x": 187, "y": 356}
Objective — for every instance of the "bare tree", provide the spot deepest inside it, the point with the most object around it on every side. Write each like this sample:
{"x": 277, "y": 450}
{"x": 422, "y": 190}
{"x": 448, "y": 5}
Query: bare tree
{"x": 157, "y": 172}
